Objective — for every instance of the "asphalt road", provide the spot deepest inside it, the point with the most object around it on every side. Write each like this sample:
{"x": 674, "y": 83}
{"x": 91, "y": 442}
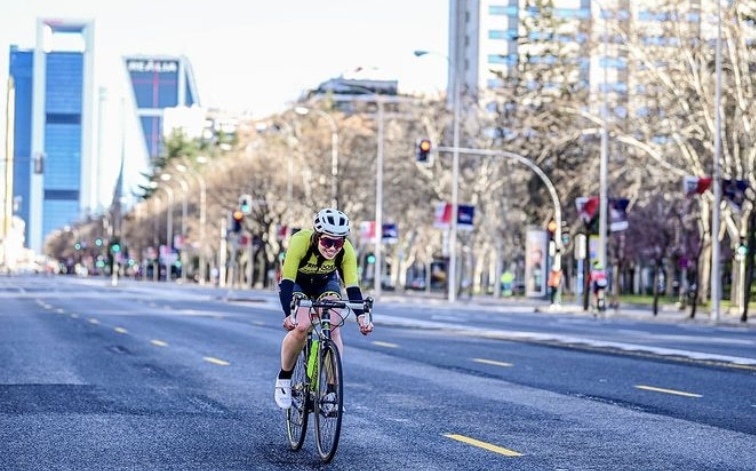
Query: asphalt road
{"x": 146, "y": 376}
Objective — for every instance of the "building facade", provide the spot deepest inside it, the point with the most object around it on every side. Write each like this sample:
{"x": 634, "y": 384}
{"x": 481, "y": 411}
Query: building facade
{"x": 158, "y": 83}
{"x": 54, "y": 166}
{"x": 489, "y": 38}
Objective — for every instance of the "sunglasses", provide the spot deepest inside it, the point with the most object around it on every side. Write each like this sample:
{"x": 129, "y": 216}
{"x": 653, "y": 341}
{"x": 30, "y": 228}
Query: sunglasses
{"x": 328, "y": 242}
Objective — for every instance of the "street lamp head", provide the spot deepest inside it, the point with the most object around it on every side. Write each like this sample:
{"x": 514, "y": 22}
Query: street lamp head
{"x": 165, "y": 176}
{"x": 420, "y": 53}
{"x": 181, "y": 168}
{"x": 301, "y": 110}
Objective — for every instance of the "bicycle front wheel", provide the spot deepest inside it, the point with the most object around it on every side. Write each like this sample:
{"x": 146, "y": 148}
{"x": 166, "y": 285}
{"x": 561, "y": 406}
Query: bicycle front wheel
{"x": 329, "y": 401}
{"x": 296, "y": 415}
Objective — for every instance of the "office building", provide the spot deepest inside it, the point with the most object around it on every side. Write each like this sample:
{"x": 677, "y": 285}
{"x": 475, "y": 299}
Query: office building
{"x": 54, "y": 166}
{"x": 158, "y": 83}
{"x": 489, "y": 38}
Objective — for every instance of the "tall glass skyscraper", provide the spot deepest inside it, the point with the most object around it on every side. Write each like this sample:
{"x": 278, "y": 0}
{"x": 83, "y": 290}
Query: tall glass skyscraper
{"x": 157, "y": 83}
{"x": 53, "y": 127}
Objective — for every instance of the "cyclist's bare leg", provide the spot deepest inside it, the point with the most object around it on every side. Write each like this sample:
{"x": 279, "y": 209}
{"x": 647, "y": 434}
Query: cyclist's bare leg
{"x": 336, "y": 338}
{"x": 295, "y": 340}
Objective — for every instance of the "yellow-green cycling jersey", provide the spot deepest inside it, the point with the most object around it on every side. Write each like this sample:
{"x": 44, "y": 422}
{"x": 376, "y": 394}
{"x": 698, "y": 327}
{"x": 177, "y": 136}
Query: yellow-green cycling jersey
{"x": 317, "y": 268}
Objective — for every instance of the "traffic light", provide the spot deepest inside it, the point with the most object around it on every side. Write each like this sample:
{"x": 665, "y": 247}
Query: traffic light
{"x": 370, "y": 258}
{"x": 742, "y": 249}
{"x": 115, "y": 246}
{"x": 237, "y": 218}
{"x": 551, "y": 227}
{"x": 423, "y": 155}
{"x": 245, "y": 204}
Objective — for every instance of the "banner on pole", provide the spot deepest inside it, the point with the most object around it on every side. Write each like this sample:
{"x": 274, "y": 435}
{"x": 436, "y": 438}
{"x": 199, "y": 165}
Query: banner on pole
{"x": 443, "y": 214}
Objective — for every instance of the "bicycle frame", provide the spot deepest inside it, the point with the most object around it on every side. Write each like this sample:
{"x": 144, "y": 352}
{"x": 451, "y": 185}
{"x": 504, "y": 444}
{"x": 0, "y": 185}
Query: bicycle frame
{"x": 321, "y": 382}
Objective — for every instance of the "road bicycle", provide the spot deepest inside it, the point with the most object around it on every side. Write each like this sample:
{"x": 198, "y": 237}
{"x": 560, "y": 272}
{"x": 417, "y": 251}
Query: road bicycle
{"x": 317, "y": 385}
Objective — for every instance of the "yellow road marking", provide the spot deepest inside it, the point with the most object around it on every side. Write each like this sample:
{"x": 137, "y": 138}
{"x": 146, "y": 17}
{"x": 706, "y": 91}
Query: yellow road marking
{"x": 93, "y": 321}
{"x": 491, "y": 362}
{"x": 484, "y": 445}
{"x": 158, "y": 343}
{"x": 121, "y": 330}
{"x": 667, "y": 391}
{"x": 216, "y": 361}
{"x": 386, "y": 344}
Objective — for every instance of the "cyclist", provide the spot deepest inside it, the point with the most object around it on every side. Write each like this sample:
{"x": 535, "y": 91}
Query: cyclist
{"x": 313, "y": 259}
{"x": 598, "y": 280}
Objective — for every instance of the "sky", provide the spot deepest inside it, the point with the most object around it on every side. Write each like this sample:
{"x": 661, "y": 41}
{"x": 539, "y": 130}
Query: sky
{"x": 254, "y": 56}
{"x": 251, "y": 56}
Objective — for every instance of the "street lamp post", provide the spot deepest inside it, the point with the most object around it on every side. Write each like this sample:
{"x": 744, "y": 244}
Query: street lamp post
{"x": 169, "y": 228}
{"x": 456, "y": 91}
{"x": 156, "y": 239}
{"x": 715, "y": 219}
{"x": 166, "y": 177}
{"x": 291, "y": 141}
{"x": 334, "y": 150}
{"x": 380, "y": 102}
{"x": 604, "y": 162}
{"x": 203, "y": 218}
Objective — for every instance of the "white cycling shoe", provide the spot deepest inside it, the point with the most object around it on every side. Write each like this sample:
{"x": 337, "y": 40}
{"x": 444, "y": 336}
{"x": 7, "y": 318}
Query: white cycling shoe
{"x": 283, "y": 393}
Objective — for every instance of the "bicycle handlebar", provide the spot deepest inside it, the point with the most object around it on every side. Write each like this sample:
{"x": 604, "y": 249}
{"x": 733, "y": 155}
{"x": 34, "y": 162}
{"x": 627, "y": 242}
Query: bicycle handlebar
{"x": 364, "y": 304}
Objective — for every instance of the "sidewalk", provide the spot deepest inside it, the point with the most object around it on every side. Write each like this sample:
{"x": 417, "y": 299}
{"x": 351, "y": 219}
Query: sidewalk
{"x": 666, "y": 313}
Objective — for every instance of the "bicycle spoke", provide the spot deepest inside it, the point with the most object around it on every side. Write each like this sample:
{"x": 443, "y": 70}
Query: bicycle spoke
{"x": 296, "y": 415}
{"x": 329, "y": 402}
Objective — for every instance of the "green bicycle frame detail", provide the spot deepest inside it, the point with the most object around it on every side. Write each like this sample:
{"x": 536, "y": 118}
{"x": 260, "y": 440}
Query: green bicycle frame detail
{"x": 312, "y": 363}
{"x": 312, "y": 359}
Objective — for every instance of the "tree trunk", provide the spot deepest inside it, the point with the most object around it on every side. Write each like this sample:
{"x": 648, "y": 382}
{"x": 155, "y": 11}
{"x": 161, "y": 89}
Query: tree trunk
{"x": 694, "y": 300}
{"x": 704, "y": 274}
{"x": 657, "y": 267}
{"x": 749, "y": 266}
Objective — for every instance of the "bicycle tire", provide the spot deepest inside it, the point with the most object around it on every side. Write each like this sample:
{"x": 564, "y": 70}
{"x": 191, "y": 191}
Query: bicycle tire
{"x": 330, "y": 401}
{"x": 297, "y": 414}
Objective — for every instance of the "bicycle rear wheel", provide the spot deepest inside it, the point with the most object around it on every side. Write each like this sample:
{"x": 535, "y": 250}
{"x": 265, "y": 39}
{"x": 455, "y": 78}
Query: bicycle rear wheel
{"x": 329, "y": 402}
{"x": 296, "y": 415}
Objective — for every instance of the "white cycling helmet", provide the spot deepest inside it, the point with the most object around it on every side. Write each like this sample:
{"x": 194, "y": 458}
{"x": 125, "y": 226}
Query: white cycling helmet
{"x": 332, "y": 222}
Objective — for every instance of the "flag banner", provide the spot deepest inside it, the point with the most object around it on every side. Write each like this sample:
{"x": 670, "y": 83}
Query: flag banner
{"x": 588, "y": 210}
{"x": 618, "y": 214}
{"x": 734, "y": 192}
{"x": 443, "y": 213}
{"x": 390, "y": 233}
{"x": 695, "y": 185}
{"x": 587, "y": 207}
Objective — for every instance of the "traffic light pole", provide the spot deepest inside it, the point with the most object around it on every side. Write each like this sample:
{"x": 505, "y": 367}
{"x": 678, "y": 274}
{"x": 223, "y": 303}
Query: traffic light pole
{"x": 537, "y": 170}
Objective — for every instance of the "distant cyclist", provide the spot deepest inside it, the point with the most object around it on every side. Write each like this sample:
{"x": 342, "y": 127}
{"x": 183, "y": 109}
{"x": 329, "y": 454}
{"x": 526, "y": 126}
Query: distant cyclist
{"x": 315, "y": 258}
{"x": 598, "y": 279}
